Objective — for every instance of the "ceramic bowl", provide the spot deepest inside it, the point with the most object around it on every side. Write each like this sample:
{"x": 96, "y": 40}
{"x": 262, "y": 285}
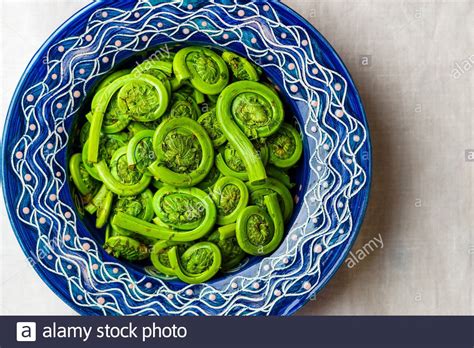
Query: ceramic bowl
{"x": 333, "y": 180}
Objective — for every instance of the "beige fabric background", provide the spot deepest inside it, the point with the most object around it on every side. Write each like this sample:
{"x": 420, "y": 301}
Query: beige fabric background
{"x": 420, "y": 110}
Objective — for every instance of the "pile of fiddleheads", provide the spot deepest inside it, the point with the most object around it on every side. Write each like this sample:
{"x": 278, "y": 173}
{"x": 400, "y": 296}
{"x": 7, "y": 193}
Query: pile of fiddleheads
{"x": 184, "y": 161}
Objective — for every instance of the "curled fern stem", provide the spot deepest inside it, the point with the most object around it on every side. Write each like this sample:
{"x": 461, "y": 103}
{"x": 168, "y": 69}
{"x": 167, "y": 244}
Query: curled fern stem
{"x": 254, "y": 107}
{"x": 103, "y": 210}
{"x": 107, "y": 146}
{"x": 197, "y": 264}
{"x": 225, "y": 239}
{"x": 229, "y": 162}
{"x": 258, "y": 193}
{"x": 286, "y": 147}
{"x": 140, "y": 152}
{"x": 259, "y": 230}
{"x": 249, "y": 109}
{"x": 184, "y": 153}
{"x": 166, "y": 232}
{"x": 140, "y": 206}
{"x": 84, "y": 133}
{"x": 159, "y": 255}
{"x": 144, "y": 98}
{"x": 181, "y": 209}
{"x": 241, "y": 68}
{"x": 84, "y": 182}
{"x": 119, "y": 181}
{"x": 184, "y": 106}
{"x": 157, "y": 68}
{"x": 209, "y": 122}
{"x": 231, "y": 197}
{"x": 204, "y": 68}
{"x": 114, "y": 120}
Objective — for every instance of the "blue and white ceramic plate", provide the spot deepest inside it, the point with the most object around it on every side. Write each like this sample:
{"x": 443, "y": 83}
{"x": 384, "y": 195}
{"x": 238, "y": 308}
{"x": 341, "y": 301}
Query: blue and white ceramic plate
{"x": 333, "y": 182}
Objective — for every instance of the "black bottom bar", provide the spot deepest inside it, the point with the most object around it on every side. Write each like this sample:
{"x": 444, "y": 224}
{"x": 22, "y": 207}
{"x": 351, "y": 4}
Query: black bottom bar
{"x": 230, "y": 332}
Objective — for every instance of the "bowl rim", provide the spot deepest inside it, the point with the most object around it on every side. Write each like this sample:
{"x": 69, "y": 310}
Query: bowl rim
{"x": 363, "y": 209}
{"x": 336, "y": 264}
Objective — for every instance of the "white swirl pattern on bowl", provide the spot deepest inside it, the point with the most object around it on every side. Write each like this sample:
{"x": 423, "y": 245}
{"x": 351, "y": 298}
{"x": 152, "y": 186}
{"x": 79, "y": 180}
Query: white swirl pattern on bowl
{"x": 326, "y": 220}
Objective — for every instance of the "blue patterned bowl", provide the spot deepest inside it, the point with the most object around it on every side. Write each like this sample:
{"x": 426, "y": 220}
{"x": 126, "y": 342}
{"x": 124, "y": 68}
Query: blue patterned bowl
{"x": 334, "y": 180}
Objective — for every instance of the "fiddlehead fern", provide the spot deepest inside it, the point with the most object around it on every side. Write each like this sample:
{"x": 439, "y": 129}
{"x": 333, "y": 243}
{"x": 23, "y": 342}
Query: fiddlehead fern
{"x": 184, "y": 152}
{"x": 126, "y": 248}
{"x": 179, "y": 209}
{"x": 143, "y": 98}
{"x": 209, "y": 122}
{"x": 159, "y": 255}
{"x": 231, "y": 197}
{"x": 139, "y": 206}
{"x": 184, "y": 106}
{"x": 249, "y": 109}
{"x": 122, "y": 180}
{"x": 258, "y": 193}
{"x": 114, "y": 120}
{"x": 206, "y": 71}
{"x": 260, "y": 231}
{"x": 102, "y": 206}
{"x": 140, "y": 152}
{"x": 157, "y": 68}
{"x": 165, "y": 232}
{"x": 286, "y": 147}
{"x": 241, "y": 68}
{"x": 225, "y": 239}
{"x": 197, "y": 264}
{"x": 84, "y": 182}
{"x": 229, "y": 162}
{"x": 84, "y": 133}
{"x": 109, "y": 143}
{"x": 255, "y": 108}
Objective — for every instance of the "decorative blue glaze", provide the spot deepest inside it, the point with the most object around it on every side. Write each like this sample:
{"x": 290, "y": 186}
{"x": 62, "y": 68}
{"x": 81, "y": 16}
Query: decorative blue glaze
{"x": 334, "y": 179}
